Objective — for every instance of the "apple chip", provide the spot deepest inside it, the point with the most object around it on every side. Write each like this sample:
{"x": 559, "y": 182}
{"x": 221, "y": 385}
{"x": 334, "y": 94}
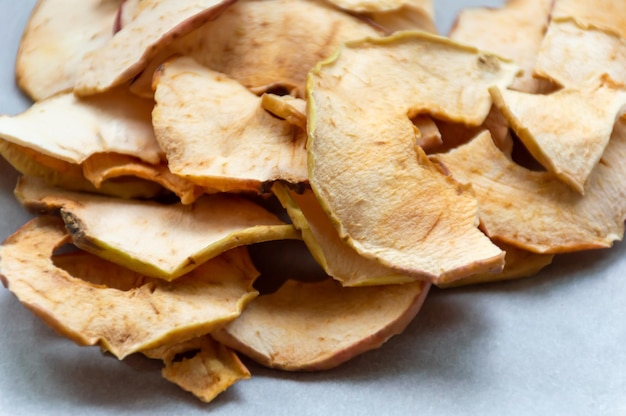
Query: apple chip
{"x": 317, "y": 326}
{"x": 240, "y": 146}
{"x": 290, "y": 109}
{"x": 206, "y": 368}
{"x": 514, "y": 31}
{"x": 380, "y": 190}
{"x": 155, "y": 25}
{"x": 122, "y": 322}
{"x": 408, "y": 17}
{"x": 571, "y": 54}
{"x": 536, "y": 211}
{"x": 603, "y": 14}
{"x": 163, "y": 241}
{"x": 337, "y": 258}
{"x": 427, "y": 134}
{"x": 72, "y": 129}
{"x": 570, "y": 139}
{"x": 58, "y": 34}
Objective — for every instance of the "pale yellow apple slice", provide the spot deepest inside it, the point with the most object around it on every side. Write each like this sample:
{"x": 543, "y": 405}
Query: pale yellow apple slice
{"x": 515, "y": 31}
{"x": 317, "y": 326}
{"x": 239, "y": 147}
{"x": 158, "y": 240}
{"x": 155, "y": 25}
{"x": 290, "y": 109}
{"x": 570, "y": 138}
{"x": 206, "y": 369}
{"x": 603, "y": 14}
{"x": 394, "y": 15}
{"x": 536, "y": 211}
{"x": 361, "y": 6}
{"x": 121, "y": 322}
{"x": 337, "y": 258}
{"x": 58, "y": 34}
{"x": 571, "y": 54}
{"x": 380, "y": 190}
{"x": 72, "y": 129}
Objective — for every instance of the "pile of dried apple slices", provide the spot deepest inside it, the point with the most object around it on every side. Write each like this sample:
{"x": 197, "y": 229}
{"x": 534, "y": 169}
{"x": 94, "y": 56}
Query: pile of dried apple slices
{"x": 161, "y": 130}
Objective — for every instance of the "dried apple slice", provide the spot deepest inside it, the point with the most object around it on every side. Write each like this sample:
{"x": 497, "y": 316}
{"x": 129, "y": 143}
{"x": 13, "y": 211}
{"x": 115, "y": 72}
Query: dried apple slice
{"x": 317, "y": 326}
{"x": 361, "y": 6}
{"x": 380, "y": 190}
{"x": 240, "y": 147}
{"x": 427, "y": 134}
{"x": 206, "y": 369}
{"x": 290, "y": 109}
{"x": 514, "y": 31}
{"x": 571, "y": 54}
{"x": 604, "y": 14}
{"x": 122, "y": 322}
{"x": 57, "y": 36}
{"x": 155, "y": 25}
{"x": 72, "y": 129}
{"x": 164, "y": 241}
{"x": 337, "y": 258}
{"x": 570, "y": 139}
{"x": 536, "y": 211}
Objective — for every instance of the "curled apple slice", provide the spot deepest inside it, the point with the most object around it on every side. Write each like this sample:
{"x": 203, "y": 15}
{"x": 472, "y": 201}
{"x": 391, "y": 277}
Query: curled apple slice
{"x": 122, "y": 322}
{"x": 164, "y": 241}
{"x": 316, "y": 326}
{"x": 383, "y": 195}
{"x": 607, "y": 15}
{"x": 240, "y": 147}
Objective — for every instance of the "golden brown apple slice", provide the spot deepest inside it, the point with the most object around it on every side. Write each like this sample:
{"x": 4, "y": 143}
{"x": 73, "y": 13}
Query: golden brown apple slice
{"x": 240, "y": 147}
{"x": 536, "y": 211}
{"x": 381, "y": 192}
{"x": 337, "y": 258}
{"x": 58, "y": 34}
{"x": 571, "y": 54}
{"x": 570, "y": 139}
{"x": 122, "y": 322}
{"x": 317, "y": 326}
{"x": 206, "y": 369}
{"x": 155, "y": 25}
{"x": 603, "y": 14}
{"x": 164, "y": 241}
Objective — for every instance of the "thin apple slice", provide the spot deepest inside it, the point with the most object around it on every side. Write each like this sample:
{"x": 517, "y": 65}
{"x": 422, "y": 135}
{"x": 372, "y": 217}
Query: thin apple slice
{"x": 156, "y": 24}
{"x": 514, "y": 31}
{"x": 570, "y": 139}
{"x": 163, "y": 241}
{"x": 317, "y": 326}
{"x": 240, "y": 147}
{"x": 383, "y": 195}
{"x": 57, "y": 36}
{"x": 427, "y": 134}
{"x": 602, "y": 14}
{"x": 121, "y": 322}
{"x": 207, "y": 368}
{"x": 337, "y": 258}
{"x": 290, "y": 109}
{"x": 536, "y": 211}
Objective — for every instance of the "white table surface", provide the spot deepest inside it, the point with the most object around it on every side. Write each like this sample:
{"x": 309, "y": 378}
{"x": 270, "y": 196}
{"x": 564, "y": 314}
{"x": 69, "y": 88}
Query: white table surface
{"x": 554, "y": 344}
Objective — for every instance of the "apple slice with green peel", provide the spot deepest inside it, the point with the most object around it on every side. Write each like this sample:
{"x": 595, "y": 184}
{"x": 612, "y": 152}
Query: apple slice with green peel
{"x": 56, "y": 38}
{"x": 536, "y": 211}
{"x": 207, "y": 368}
{"x": 337, "y": 258}
{"x": 515, "y": 31}
{"x": 571, "y": 54}
{"x": 72, "y": 129}
{"x": 163, "y": 241}
{"x": 155, "y": 25}
{"x": 570, "y": 139}
{"x": 317, "y": 326}
{"x": 121, "y": 322}
{"x": 383, "y": 195}
{"x": 239, "y": 147}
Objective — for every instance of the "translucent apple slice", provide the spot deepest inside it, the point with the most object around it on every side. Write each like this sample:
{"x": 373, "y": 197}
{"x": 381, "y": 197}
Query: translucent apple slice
{"x": 155, "y": 25}
{"x": 72, "y": 129}
{"x": 383, "y": 195}
{"x": 163, "y": 241}
{"x": 570, "y": 139}
{"x": 536, "y": 211}
{"x": 121, "y": 322}
{"x": 239, "y": 147}
{"x": 206, "y": 369}
{"x": 514, "y": 31}
{"x": 57, "y": 36}
{"x": 317, "y": 326}
{"x": 337, "y": 258}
